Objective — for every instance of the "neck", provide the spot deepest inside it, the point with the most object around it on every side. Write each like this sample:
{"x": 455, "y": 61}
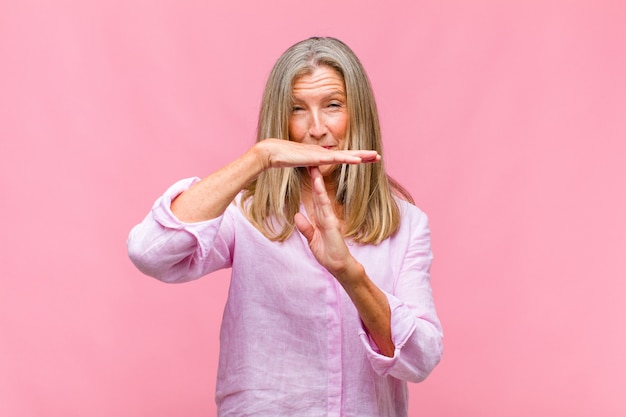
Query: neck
{"x": 330, "y": 183}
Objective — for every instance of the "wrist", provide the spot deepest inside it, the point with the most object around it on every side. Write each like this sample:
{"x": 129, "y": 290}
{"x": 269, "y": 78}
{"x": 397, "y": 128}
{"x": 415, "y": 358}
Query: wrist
{"x": 260, "y": 155}
{"x": 351, "y": 275}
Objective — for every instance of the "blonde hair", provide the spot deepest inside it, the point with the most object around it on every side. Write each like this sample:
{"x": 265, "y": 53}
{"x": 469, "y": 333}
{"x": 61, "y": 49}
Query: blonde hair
{"x": 365, "y": 191}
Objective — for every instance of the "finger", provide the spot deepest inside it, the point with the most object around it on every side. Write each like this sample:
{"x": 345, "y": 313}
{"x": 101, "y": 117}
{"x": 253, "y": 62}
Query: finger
{"x": 370, "y": 156}
{"x": 317, "y": 181}
{"x": 338, "y": 157}
{"x": 303, "y": 225}
{"x": 352, "y": 157}
{"x": 321, "y": 202}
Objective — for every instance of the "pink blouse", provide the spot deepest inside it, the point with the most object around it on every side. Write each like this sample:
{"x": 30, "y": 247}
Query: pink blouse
{"x": 292, "y": 343}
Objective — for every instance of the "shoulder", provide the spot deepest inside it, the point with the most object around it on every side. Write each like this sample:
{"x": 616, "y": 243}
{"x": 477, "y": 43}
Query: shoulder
{"x": 414, "y": 223}
{"x": 410, "y": 212}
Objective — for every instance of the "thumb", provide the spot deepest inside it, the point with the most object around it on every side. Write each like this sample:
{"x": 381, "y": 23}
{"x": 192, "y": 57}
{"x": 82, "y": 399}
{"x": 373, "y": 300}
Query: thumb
{"x": 303, "y": 225}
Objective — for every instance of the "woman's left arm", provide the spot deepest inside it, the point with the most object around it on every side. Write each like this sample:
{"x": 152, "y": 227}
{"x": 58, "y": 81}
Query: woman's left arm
{"x": 404, "y": 328}
{"x": 415, "y": 327}
{"x": 327, "y": 244}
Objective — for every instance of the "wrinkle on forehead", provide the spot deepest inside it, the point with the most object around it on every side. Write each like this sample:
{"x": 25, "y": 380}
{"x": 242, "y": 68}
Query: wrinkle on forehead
{"x": 324, "y": 78}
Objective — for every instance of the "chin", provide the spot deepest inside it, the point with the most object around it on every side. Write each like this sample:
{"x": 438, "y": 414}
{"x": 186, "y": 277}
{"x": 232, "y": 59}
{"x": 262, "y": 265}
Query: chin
{"x": 326, "y": 170}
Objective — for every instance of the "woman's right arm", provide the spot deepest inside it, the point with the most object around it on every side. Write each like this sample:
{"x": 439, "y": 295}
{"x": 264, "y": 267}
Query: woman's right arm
{"x": 209, "y": 198}
{"x": 178, "y": 241}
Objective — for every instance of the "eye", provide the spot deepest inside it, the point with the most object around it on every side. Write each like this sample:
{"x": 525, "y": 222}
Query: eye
{"x": 296, "y": 109}
{"x": 335, "y": 104}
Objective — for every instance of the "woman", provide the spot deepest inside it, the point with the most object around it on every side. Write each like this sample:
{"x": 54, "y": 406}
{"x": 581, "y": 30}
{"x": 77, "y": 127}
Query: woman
{"x": 330, "y": 309}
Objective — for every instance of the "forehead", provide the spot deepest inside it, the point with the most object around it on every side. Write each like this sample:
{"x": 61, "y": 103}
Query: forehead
{"x": 322, "y": 78}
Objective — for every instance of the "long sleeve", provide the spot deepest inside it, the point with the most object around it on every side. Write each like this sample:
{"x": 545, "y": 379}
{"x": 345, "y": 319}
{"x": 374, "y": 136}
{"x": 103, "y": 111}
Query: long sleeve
{"x": 416, "y": 329}
{"x": 165, "y": 248}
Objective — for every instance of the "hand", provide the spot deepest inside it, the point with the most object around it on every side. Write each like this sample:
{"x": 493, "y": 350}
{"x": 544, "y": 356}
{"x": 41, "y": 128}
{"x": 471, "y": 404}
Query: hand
{"x": 324, "y": 233}
{"x": 278, "y": 153}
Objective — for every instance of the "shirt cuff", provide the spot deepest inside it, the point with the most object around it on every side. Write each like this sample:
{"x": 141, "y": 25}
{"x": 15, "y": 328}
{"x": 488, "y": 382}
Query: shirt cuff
{"x": 403, "y": 324}
{"x": 162, "y": 213}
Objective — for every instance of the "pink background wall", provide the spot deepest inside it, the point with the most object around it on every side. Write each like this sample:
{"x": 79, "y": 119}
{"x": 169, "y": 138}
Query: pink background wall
{"x": 505, "y": 119}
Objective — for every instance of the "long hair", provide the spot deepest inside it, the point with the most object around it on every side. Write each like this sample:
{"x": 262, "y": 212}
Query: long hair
{"x": 365, "y": 191}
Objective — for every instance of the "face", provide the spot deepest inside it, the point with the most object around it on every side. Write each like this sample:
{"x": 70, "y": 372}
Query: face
{"x": 319, "y": 115}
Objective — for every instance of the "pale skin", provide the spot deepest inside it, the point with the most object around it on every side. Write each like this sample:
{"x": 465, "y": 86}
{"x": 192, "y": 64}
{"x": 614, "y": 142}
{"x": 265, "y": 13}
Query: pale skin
{"x": 317, "y": 129}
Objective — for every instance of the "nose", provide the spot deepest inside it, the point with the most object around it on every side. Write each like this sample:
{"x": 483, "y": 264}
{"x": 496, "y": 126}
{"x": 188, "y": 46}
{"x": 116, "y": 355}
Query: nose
{"x": 317, "y": 125}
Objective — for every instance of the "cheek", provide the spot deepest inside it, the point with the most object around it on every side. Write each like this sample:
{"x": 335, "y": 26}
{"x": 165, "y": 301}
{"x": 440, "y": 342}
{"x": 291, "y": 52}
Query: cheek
{"x": 341, "y": 126}
{"x": 295, "y": 131}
